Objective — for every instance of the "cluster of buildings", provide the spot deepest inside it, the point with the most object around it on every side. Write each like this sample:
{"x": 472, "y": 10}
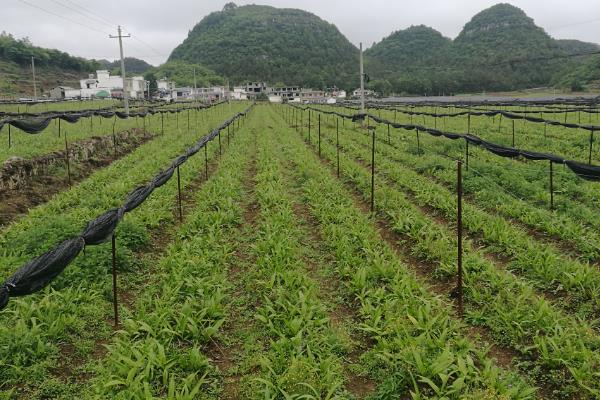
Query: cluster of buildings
{"x": 103, "y": 85}
{"x": 282, "y": 94}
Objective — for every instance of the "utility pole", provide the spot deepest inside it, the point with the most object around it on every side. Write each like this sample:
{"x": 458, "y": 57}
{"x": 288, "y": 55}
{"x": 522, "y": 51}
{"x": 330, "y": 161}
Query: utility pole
{"x": 125, "y": 94}
{"x": 195, "y": 89}
{"x": 362, "y": 82}
{"x": 34, "y": 83}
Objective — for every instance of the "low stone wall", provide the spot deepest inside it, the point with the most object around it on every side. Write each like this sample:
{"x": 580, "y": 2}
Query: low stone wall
{"x": 15, "y": 172}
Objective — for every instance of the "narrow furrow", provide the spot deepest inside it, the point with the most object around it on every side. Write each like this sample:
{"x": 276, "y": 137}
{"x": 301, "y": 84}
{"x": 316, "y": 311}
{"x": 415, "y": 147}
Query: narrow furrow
{"x": 411, "y": 329}
{"x": 163, "y": 348}
{"x": 565, "y": 281}
{"x": 549, "y": 341}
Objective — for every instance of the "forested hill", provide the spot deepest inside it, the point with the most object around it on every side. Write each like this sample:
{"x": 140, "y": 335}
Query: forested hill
{"x": 490, "y": 53}
{"x": 270, "y": 44}
{"x": 53, "y": 67}
{"x": 132, "y": 66}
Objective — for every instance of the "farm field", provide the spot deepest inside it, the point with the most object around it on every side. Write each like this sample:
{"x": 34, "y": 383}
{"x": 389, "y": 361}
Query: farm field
{"x": 272, "y": 278}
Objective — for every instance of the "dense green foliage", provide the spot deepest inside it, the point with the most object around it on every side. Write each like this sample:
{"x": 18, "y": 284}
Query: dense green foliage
{"x": 132, "y": 66}
{"x": 488, "y": 54}
{"x": 269, "y": 44}
{"x": 182, "y": 73}
{"x": 577, "y": 46}
{"x": 585, "y": 73}
{"x": 20, "y": 52}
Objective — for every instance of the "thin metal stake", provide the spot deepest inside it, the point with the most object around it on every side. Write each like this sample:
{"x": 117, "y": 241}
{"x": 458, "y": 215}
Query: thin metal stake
{"x": 67, "y": 159}
{"x": 513, "y": 133}
{"x": 389, "y": 140}
{"x": 467, "y": 154}
{"x": 308, "y": 126}
{"x": 337, "y": 141}
{"x": 179, "y": 195}
{"x": 459, "y": 227}
{"x": 591, "y": 146}
{"x": 551, "y": 186}
{"x": 206, "y": 161}
{"x": 114, "y": 277}
{"x": 220, "y": 148}
{"x": 373, "y": 172}
{"x": 319, "y": 135}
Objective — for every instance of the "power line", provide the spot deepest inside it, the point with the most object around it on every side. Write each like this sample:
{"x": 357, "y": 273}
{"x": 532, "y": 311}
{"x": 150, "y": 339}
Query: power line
{"x": 63, "y": 17}
{"x": 112, "y": 24}
{"x": 147, "y": 45}
{"x": 81, "y": 13}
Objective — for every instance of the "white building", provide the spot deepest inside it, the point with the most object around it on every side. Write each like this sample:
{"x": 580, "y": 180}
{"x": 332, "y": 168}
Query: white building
{"x": 368, "y": 93}
{"x": 136, "y": 87}
{"x": 104, "y": 85}
{"x": 239, "y": 93}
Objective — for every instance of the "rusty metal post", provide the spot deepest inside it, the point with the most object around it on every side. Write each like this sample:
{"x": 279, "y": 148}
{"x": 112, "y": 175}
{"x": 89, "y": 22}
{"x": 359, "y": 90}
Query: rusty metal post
{"x": 220, "y": 147}
{"x": 206, "y": 160}
{"x": 551, "y": 186}
{"x": 373, "y": 171}
{"x": 337, "y": 143}
{"x": 418, "y": 143}
{"x": 513, "y": 133}
{"x": 459, "y": 233}
{"x": 591, "y": 146}
{"x": 308, "y": 126}
{"x": 179, "y": 195}
{"x": 67, "y": 160}
{"x": 114, "y": 279}
{"x": 389, "y": 138}
{"x": 319, "y": 135}
{"x": 500, "y": 123}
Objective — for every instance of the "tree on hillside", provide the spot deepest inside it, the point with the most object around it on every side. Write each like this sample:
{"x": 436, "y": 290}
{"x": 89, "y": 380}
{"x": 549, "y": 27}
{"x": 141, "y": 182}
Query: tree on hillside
{"x": 151, "y": 78}
{"x": 229, "y": 7}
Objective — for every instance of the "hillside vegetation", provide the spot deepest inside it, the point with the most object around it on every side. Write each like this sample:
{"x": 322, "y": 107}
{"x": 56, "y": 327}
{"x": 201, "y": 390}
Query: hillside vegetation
{"x": 270, "y": 44}
{"x": 53, "y": 67}
{"x": 182, "y": 73}
{"x": 501, "y": 48}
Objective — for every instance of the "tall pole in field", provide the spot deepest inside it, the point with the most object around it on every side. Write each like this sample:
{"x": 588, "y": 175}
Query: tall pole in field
{"x": 459, "y": 233}
{"x": 362, "y": 82}
{"x": 34, "y": 83}
{"x": 125, "y": 94}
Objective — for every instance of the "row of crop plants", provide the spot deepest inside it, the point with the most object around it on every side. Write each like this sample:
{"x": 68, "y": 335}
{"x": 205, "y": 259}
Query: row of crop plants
{"x": 570, "y": 142}
{"x": 161, "y": 351}
{"x": 525, "y": 179}
{"x": 70, "y": 317}
{"x": 524, "y": 186}
{"x": 541, "y": 263}
{"x": 53, "y": 137}
{"x": 417, "y": 348}
{"x": 556, "y": 349}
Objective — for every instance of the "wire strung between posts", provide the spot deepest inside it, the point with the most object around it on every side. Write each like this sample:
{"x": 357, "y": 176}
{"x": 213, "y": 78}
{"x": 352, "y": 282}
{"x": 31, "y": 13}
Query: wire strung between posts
{"x": 588, "y": 172}
{"x": 39, "y": 272}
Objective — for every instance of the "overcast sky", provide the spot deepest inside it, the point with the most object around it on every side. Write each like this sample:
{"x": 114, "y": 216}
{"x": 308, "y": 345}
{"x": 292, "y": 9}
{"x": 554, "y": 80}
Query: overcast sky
{"x": 158, "y": 26}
